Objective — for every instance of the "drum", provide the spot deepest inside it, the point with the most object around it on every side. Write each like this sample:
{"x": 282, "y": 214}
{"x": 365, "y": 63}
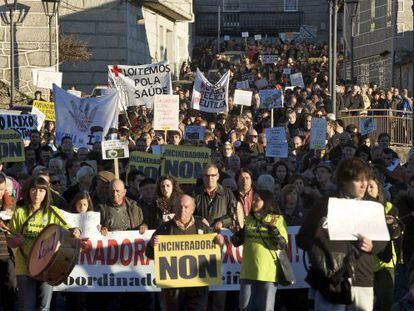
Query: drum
{"x": 53, "y": 255}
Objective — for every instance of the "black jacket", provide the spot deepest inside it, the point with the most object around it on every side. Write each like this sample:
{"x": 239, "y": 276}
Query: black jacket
{"x": 364, "y": 273}
{"x": 221, "y": 208}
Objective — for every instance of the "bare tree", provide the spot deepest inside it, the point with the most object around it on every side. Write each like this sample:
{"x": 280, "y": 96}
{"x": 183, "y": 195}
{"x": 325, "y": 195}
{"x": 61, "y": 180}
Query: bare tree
{"x": 72, "y": 49}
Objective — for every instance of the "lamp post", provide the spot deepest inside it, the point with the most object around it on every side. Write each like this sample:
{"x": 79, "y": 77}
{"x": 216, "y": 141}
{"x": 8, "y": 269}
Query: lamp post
{"x": 412, "y": 76}
{"x": 11, "y": 5}
{"x": 333, "y": 31}
{"x": 353, "y": 8}
{"x": 50, "y": 7}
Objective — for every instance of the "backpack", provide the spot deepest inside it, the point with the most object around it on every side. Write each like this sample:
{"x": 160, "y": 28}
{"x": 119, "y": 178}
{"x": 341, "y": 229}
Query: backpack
{"x": 332, "y": 269}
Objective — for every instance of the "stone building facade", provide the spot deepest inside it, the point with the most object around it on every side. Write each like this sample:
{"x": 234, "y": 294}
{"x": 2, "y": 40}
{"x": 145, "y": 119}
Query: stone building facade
{"x": 382, "y": 43}
{"x": 266, "y": 17}
{"x": 124, "y": 32}
{"x": 31, "y": 36}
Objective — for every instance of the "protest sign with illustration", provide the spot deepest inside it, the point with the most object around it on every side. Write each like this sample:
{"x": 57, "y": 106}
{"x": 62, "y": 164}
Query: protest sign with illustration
{"x": 114, "y": 149}
{"x": 85, "y": 120}
{"x": 11, "y": 147}
{"x": 271, "y": 99}
{"x": 194, "y": 132}
{"x": 185, "y": 163}
{"x": 210, "y": 97}
{"x": 139, "y": 85}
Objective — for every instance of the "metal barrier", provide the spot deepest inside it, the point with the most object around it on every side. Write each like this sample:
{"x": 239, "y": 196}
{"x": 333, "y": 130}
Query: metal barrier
{"x": 398, "y": 124}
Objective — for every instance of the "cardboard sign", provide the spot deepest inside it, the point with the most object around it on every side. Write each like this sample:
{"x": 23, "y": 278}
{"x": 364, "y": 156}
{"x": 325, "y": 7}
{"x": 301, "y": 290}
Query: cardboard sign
{"x": 243, "y": 85}
{"x": 268, "y": 59}
{"x": 348, "y": 218}
{"x": 262, "y": 83}
{"x": 296, "y": 79}
{"x": 11, "y": 147}
{"x": 35, "y": 72}
{"x": 22, "y": 123}
{"x": 245, "y": 34}
{"x": 277, "y": 146}
{"x": 40, "y": 117}
{"x": 243, "y": 98}
{"x": 194, "y": 132}
{"x": 46, "y": 79}
{"x": 287, "y": 71}
{"x": 149, "y": 164}
{"x": 166, "y": 112}
{"x": 367, "y": 126}
{"x": 114, "y": 149}
{"x": 226, "y": 38}
{"x": 185, "y": 163}
{"x": 271, "y": 99}
{"x": 48, "y": 108}
{"x": 257, "y": 37}
{"x": 87, "y": 222}
{"x": 189, "y": 260}
{"x": 318, "y": 134}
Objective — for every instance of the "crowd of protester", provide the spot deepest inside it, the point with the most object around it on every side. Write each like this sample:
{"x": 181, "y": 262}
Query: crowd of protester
{"x": 241, "y": 180}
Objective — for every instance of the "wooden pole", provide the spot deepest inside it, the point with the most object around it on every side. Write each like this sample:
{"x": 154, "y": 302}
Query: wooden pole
{"x": 116, "y": 165}
{"x": 271, "y": 118}
{"x": 241, "y": 110}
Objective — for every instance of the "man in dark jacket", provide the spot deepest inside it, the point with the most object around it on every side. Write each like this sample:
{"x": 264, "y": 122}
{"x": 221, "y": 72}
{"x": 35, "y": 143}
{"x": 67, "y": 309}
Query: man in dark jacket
{"x": 352, "y": 181}
{"x": 189, "y": 298}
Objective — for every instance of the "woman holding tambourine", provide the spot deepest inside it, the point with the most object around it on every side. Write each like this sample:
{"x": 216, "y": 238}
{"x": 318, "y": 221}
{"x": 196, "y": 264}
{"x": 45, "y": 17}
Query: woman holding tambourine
{"x": 27, "y": 223}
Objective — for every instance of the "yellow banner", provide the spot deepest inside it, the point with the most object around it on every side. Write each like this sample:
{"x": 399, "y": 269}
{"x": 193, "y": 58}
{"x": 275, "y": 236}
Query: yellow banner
{"x": 11, "y": 147}
{"x": 185, "y": 163}
{"x": 148, "y": 163}
{"x": 48, "y": 108}
{"x": 187, "y": 261}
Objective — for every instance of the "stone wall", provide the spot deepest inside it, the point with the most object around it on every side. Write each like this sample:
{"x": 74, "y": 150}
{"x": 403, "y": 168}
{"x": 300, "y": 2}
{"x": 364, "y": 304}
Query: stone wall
{"x": 31, "y": 44}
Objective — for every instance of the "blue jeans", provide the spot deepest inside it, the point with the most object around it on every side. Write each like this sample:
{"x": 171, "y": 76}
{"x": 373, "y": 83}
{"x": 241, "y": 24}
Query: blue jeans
{"x": 257, "y": 295}
{"x": 33, "y": 295}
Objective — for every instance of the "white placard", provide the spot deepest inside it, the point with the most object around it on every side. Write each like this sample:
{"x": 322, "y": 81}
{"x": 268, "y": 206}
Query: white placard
{"x": 243, "y": 98}
{"x": 318, "y": 134}
{"x": 4, "y": 215}
{"x": 87, "y": 222}
{"x": 287, "y": 71}
{"x": 367, "y": 126}
{"x": 347, "y": 218}
{"x": 277, "y": 146}
{"x": 76, "y": 93}
{"x": 115, "y": 149}
{"x": 35, "y": 72}
{"x": 296, "y": 79}
{"x": 46, "y": 79}
{"x": 226, "y": 38}
{"x": 166, "y": 112}
{"x": 245, "y": 34}
{"x": 243, "y": 85}
{"x": 41, "y": 117}
{"x": 194, "y": 132}
{"x": 268, "y": 59}
{"x": 257, "y": 37}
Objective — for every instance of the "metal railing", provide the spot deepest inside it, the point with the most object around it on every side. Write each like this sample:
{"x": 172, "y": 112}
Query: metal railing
{"x": 398, "y": 124}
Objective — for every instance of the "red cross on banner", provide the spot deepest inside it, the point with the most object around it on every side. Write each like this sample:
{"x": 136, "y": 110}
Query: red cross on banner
{"x": 116, "y": 70}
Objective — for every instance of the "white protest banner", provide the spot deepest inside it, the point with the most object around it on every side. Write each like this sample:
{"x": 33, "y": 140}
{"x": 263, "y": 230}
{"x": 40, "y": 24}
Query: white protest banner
{"x": 257, "y": 37}
{"x": 117, "y": 263}
{"x": 261, "y": 84}
{"x": 243, "y": 85}
{"x": 268, "y": 59}
{"x": 166, "y": 110}
{"x": 210, "y": 97}
{"x": 140, "y": 84}
{"x": 287, "y": 71}
{"x": 277, "y": 146}
{"x": 194, "y": 132}
{"x": 115, "y": 149}
{"x": 349, "y": 218}
{"x": 46, "y": 79}
{"x": 271, "y": 99}
{"x": 85, "y": 120}
{"x": 41, "y": 117}
{"x": 35, "y": 72}
{"x": 296, "y": 79}
{"x": 226, "y": 38}
{"x": 22, "y": 123}
{"x": 243, "y": 98}
{"x": 367, "y": 126}
{"x": 75, "y": 92}
{"x": 318, "y": 134}
{"x": 87, "y": 222}
{"x": 245, "y": 34}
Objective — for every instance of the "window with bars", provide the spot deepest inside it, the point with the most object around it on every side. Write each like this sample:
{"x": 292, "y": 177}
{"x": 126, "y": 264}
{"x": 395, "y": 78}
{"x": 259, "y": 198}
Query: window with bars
{"x": 373, "y": 6}
{"x": 389, "y": 12}
{"x": 291, "y": 6}
{"x": 231, "y": 5}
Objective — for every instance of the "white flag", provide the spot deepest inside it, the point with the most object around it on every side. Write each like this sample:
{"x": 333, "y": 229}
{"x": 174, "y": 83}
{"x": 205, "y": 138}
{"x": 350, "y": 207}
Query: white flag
{"x": 140, "y": 84}
{"x": 210, "y": 97}
{"x": 85, "y": 120}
